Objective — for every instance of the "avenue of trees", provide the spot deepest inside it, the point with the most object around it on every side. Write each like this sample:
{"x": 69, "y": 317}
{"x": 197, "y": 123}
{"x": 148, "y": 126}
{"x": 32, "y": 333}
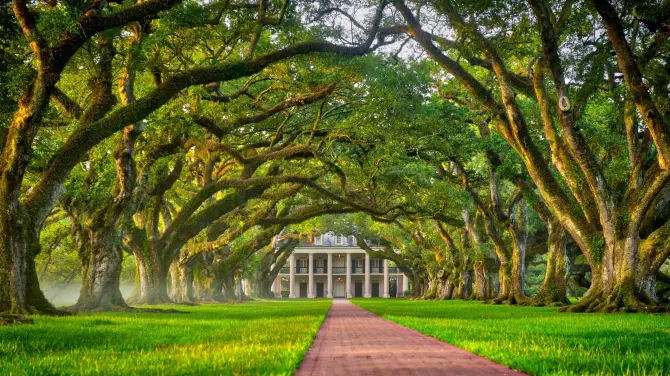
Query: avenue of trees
{"x": 513, "y": 152}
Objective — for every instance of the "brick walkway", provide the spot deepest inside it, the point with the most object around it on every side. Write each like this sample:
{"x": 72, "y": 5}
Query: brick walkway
{"x": 353, "y": 341}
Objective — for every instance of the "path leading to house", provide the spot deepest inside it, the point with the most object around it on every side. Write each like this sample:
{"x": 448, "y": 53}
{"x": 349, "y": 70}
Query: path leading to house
{"x": 353, "y": 341}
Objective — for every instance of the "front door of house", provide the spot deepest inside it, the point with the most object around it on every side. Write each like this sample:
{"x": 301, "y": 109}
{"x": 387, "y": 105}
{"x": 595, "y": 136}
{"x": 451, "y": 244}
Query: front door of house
{"x": 303, "y": 290}
{"x": 375, "y": 289}
{"x": 319, "y": 289}
{"x": 358, "y": 293}
{"x": 338, "y": 289}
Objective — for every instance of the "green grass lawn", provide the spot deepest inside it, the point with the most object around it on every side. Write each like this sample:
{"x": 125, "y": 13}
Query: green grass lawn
{"x": 252, "y": 338}
{"x": 540, "y": 341}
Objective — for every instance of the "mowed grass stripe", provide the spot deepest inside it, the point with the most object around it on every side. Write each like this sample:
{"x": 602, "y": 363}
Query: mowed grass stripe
{"x": 540, "y": 341}
{"x": 269, "y": 337}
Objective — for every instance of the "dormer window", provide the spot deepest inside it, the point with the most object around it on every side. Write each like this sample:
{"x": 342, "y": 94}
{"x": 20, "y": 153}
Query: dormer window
{"x": 318, "y": 240}
{"x": 352, "y": 241}
{"x": 339, "y": 240}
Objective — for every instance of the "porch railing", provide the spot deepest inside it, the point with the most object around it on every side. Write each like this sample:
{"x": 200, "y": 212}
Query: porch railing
{"x": 337, "y": 270}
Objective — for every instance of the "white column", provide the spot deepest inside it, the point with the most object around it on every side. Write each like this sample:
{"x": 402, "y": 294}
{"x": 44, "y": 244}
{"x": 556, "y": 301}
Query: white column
{"x": 386, "y": 278}
{"x": 405, "y": 286}
{"x": 368, "y": 288}
{"x": 400, "y": 285}
{"x": 278, "y": 286}
{"x": 310, "y": 281}
{"x": 348, "y": 275}
{"x": 291, "y": 279}
{"x": 330, "y": 275}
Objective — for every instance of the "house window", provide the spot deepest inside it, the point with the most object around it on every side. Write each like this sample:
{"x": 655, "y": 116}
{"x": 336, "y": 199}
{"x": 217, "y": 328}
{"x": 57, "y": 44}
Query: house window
{"x": 301, "y": 265}
{"x": 339, "y": 240}
{"x": 352, "y": 241}
{"x": 359, "y": 266}
{"x": 320, "y": 267}
{"x": 318, "y": 240}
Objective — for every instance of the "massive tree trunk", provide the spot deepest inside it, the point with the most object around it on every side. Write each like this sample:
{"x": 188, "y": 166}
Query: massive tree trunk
{"x": 210, "y": 280}
{"x": 517, "y": 292}
{"x": 20, "y": 291}
{"x": 262, "y": 286}
{"x": 228, "y": 284}
{"x": 214, "y": 291}
{"x": 13, "y": 270}
{"x": 181, "y": 278}
{"x": 621, "y": 281}
{"x": 482, "y": 282}
{"x": 445, "y": 287}
{"x": 433, "y": 286}
{"x": 15, "y": 222}
{"x": 464, "y": 289}
{"x": 519, "y": 234}
{"x": 273, "y": 260}
{"x": 152, "y": 278}
{"x": 554, "y": 286}
{"x": 34, "y": 295}
{"x": 100, "y": 285}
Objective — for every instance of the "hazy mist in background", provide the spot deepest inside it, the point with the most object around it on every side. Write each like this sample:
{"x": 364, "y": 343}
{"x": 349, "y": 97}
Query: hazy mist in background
{"x": 68, "y": 295}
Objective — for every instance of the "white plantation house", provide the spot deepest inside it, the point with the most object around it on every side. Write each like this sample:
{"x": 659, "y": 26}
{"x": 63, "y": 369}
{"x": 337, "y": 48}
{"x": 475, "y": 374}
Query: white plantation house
{"x": 334, "y": 266}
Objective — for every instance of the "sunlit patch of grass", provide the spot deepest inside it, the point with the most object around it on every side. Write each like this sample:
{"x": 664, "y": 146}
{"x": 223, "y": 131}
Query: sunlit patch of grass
{"x": 269, "y": 337}
{"x": 540, "y": 341}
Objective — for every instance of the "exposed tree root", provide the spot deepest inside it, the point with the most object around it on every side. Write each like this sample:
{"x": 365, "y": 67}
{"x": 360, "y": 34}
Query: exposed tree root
{"x": 144, "y": 301}
{"x": 620, "y": 301}
{"x": 7, "y": 319}
{"x": 128, "y": 309}
{"x": 32, "y": 310}
{"x": 543, "y": 303}
{"x": 547, "y": 298}
{"x": 154, "y": 310}
{"x": 509, "y": 299}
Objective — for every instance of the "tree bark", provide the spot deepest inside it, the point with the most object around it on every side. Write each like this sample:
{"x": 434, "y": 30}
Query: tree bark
{"x": 181, "y": 278}
{"x": 432, "y": 290}
{"x": 464, "y": 288}
{"x": 13, "y": 269}
{"x": 228, "y": 284}
{"x": 519, "y": 234}
{"x": 152, "y": 281}
{"x": 445, "y": 286}
{"x": 554, "y": 287}
{"x": 620, "y": 282}
{"x": 100, "y": 289}
{"x": 482, "y": 282}
{"x": 20, "y": 291}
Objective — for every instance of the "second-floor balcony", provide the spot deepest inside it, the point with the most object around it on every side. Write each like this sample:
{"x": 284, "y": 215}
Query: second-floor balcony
{"x": 339, "y": 270}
